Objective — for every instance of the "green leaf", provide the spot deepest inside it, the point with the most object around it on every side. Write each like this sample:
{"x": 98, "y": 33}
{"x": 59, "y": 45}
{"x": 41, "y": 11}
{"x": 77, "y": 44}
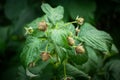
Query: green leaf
{"x": 53, "y": 14}
{"x": 94, "y": 61}
{"x": 94, "y": 38}
{"x": 30, "y": 51}
{"x": 75, "y": 58}
{"x": 45, "y": 73}
{"x": 59, "y": 24}
{"x": 21, "y": 74}
{"x": 34, "y": 23}
{"x": 79, "y": 59}
{"x": 60, "y": 52}
{"x": 41, "y": 65}
{"x": 70, "y": 28}
{"x": 114, "y": 49}
{"x": 73, "y": 71}
{"x": 112, "y": 70}
{"x": 59, "y": 37}
{"x": 46, "y": 8}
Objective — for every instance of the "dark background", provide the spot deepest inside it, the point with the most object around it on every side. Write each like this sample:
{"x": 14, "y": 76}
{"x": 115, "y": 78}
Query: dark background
{"x": 15, "y": 14}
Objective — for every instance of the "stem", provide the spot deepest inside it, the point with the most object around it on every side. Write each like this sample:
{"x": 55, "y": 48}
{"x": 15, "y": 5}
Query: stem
{"x": 78, "y": 26}
{"x": 80, "y": 43}
{"x": 65, "y": 76}
{"x": 36, "y": 59}
{"x": 76, "y": 37}
{"x": 70, "y": 23}
{"x": 51, "y": 58}
{"x": 73, "y": 46}
{"x": 46, "y": 48}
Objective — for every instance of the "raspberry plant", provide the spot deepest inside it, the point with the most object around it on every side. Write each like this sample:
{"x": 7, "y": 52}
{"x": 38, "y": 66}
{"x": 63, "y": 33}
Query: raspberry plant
{"x": 58, "y": 50}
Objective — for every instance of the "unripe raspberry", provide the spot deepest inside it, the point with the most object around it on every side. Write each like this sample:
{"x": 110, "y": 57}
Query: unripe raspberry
{"x": 71, "y": 41}
{"x": 42, "y": 26}
{"x": 80, "y": 20}
{"x": 45, "y": 56}
{"x": 79, "y": 49}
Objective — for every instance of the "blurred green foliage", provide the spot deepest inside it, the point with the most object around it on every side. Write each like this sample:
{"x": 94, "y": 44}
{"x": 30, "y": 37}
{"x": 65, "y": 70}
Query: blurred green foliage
{"x": 15, "y": 14}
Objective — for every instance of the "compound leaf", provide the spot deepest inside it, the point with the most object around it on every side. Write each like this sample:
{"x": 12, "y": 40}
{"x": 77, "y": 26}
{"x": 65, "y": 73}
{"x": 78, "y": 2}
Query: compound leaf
{"x": 53, "y": 14}
{"x": 94, "y": 38}
{"x": 30, "y": 51}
